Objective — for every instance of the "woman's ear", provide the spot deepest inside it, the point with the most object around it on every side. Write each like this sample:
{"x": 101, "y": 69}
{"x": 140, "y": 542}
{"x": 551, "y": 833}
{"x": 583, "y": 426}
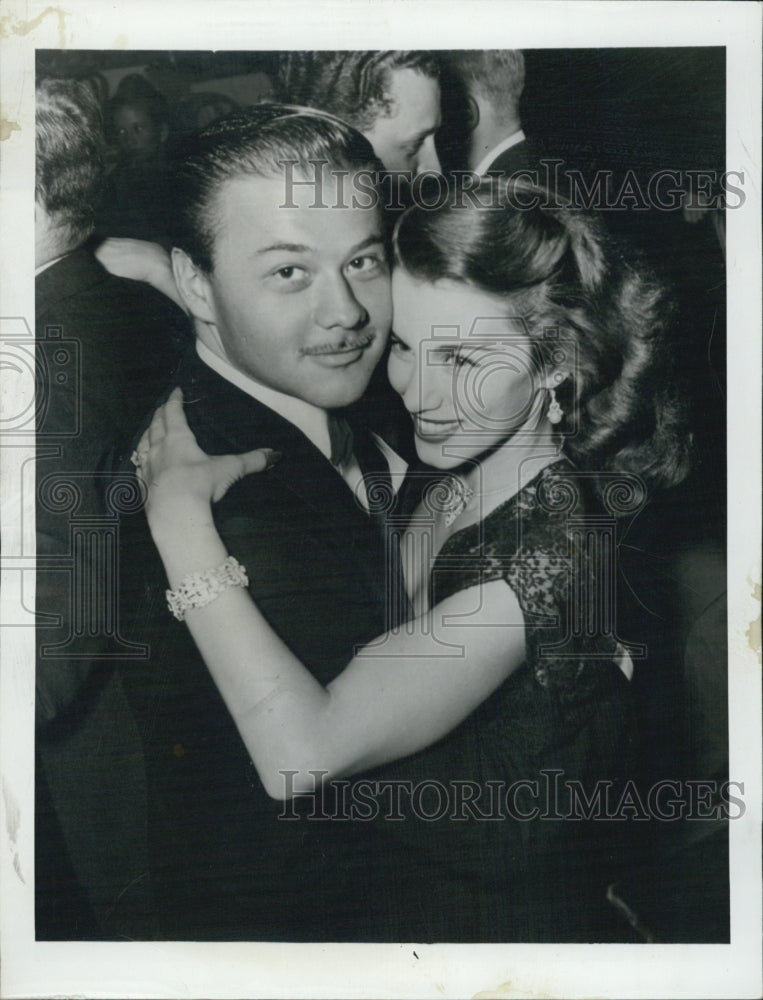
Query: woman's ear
{"x": 194, "y": 287}
{"x": 555, "y": 377}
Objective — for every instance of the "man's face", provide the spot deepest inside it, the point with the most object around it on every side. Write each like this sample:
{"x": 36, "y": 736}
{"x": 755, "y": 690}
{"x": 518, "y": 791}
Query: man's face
{"x": 405, "y": 139}
{"x": 300, "y": 296}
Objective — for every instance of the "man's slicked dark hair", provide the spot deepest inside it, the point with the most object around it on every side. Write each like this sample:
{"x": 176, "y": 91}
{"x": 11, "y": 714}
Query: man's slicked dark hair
{"x": 69, "y": 148}
{"x": 351, "y": 85}
{"x": 254, "y": 142}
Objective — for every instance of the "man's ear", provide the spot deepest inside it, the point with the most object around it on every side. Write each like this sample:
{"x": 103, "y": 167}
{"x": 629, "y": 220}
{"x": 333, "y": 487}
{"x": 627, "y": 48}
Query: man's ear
{"x": 193, "y": 285}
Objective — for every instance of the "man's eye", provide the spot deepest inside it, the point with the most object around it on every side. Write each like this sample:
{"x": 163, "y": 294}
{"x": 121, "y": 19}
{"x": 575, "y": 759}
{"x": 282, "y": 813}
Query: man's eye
{"x": 367, "y": 264}
{"x": 289, "y": 277}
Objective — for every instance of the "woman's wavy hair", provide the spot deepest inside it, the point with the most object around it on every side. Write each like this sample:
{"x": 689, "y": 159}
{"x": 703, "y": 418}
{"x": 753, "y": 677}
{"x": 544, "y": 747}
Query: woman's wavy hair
{"x": 560, "y": 271}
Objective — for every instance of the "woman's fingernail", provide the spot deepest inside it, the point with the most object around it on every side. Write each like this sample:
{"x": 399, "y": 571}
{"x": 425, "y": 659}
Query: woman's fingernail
{"x": 271, "y": 457}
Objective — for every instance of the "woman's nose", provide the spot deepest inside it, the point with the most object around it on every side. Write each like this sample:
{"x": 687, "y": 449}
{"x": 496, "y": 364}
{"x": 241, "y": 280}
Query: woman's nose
{"x": 421, "y": 392}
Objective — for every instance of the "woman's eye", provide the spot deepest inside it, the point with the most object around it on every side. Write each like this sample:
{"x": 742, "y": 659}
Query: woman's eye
{"x": 398, "y": 346}
{"x": 458, "y": 358}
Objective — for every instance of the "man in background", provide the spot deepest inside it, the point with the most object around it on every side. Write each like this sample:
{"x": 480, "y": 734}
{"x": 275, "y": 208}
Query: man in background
{"x": 106, "y": 347}
{"x": 489, "y": 84}
{"x": 391, "y": 97}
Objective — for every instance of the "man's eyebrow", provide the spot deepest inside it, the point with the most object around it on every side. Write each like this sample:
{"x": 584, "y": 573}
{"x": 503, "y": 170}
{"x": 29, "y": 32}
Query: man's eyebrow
{"x": 304, "y": 248}
{"x": 369, "y": 241}
{"x": 287, "y": 247}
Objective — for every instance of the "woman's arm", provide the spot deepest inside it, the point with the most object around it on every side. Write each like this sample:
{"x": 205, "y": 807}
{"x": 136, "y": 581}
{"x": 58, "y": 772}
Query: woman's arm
{"x": 140, "y": 261}
{"x": 397, "y": 695}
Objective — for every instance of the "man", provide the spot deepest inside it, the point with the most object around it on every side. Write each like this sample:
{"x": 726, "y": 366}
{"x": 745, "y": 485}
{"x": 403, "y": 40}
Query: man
{"x": 491, "y": 82}
{"x": 105, "y": 348}
{"x": 392, "y": 97}
{"x": 291, "y": 305}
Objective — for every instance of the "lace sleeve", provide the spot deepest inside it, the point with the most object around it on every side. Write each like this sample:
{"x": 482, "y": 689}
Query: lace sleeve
{"x": 558, "y": 585}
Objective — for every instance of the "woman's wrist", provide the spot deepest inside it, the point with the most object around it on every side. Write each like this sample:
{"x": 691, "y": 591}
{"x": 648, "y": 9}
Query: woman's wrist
{"x": 185, "y": 535}
{"x": 178, "y": 516}
{"x": 184, "y": 549}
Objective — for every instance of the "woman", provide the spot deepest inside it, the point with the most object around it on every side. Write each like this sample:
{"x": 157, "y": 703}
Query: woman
{"x": 530, "y": 357}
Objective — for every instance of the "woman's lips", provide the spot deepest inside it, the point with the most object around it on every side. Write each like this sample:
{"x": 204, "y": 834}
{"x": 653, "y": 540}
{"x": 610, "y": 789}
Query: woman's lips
{"x": 434, "y": 430}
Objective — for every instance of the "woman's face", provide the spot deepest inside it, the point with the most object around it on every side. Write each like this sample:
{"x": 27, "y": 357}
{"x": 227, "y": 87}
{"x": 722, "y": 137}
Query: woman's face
{"x": 136, "y": 133}
{"x": 464, "y": 368}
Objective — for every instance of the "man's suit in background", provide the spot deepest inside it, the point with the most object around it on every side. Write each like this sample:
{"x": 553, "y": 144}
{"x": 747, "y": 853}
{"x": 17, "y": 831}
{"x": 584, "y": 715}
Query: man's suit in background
{"x": 527, "y": 156}
{"x": 225, "y": 866}
{"x": 105, "y": 349}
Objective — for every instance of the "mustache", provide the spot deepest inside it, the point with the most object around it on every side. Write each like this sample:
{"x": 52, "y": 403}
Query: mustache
{"x": 345, "y": 344}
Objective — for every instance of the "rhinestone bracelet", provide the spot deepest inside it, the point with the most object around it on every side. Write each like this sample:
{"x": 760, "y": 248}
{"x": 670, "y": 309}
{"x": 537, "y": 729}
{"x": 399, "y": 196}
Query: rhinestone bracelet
{"x": 200, "y": 589}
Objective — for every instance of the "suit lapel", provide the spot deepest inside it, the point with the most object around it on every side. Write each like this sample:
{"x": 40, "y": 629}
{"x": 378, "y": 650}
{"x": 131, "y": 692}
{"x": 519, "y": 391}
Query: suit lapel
{"x": 227, "y": 420}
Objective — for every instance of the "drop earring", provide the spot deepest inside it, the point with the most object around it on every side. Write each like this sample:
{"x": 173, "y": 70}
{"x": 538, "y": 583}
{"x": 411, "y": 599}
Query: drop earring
{"x": 555, "y": 412}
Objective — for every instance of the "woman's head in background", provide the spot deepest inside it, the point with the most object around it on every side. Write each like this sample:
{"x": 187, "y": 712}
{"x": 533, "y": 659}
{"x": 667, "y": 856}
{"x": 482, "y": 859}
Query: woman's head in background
{"x": 137, "y": 119}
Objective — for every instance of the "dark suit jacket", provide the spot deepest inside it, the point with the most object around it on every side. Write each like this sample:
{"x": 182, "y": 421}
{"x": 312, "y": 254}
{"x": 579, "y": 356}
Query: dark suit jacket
{"x": 528, "y": 155}
{"x": 105, "y": 349}
{"x": 225, "y": 866}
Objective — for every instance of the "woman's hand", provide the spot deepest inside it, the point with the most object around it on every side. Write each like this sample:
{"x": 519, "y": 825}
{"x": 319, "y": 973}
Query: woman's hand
{"x": 140, "y": 260}
{"x": 178, "y": 476}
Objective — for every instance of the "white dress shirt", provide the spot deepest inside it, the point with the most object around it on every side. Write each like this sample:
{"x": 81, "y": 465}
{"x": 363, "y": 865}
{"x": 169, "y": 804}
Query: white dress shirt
{"x": 514, "y": 139}
{"x": 311, "y": 420}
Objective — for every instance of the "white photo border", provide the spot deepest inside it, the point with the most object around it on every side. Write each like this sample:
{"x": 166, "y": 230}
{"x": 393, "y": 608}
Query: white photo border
{"x": 171, "y": 969}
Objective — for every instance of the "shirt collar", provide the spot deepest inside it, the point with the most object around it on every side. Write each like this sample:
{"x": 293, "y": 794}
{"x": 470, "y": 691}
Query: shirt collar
{"x": 49, "y": 263}
{"x": 311, "y": 420}
{"x": 495, "y": 152}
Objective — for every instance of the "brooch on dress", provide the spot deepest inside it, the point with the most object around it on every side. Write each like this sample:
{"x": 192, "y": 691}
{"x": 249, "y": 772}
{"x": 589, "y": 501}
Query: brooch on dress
{"x": 455, "y": 496}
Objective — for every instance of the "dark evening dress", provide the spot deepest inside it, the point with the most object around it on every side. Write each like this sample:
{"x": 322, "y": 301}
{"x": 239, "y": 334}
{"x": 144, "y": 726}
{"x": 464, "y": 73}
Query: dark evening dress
{"x": 529, "y": 855}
